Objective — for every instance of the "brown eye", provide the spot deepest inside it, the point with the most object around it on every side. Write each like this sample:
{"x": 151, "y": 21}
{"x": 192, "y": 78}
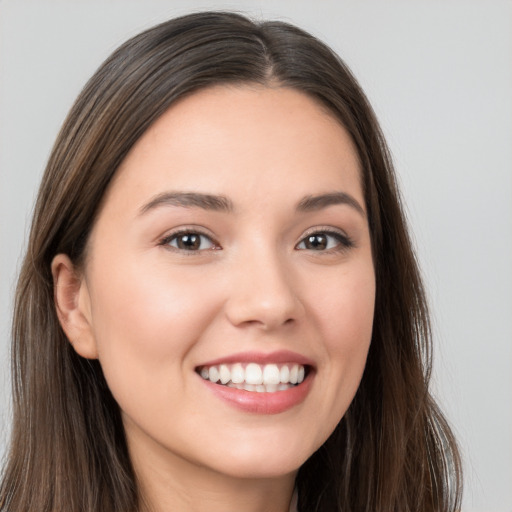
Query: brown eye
{"x": 190, "y": 241}
{"x": 317, "y": 242}
{"x": 324, "y": 241}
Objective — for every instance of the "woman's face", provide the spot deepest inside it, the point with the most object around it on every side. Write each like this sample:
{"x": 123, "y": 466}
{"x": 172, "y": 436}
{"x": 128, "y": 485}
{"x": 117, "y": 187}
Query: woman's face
{"x": 233, "y": 244}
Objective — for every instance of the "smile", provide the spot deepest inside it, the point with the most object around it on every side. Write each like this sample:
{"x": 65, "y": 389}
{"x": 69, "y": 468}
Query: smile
{"x": 259, "y": 383}
{"x": 254, "y": 377}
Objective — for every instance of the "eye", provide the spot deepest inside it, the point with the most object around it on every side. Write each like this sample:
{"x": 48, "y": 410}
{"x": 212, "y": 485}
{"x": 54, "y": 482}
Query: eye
{"x": 324, "y": 241}
{"x": 189, "y": 241}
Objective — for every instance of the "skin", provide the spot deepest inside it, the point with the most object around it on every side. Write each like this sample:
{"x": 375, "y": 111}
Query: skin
{"x": 152, "y": 312}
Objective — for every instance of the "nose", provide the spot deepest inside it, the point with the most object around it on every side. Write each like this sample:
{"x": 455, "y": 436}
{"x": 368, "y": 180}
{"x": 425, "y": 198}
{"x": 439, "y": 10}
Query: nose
{"x": 263, "y": 293}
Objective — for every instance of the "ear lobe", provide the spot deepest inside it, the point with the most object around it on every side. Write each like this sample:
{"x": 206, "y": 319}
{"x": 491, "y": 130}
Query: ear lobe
{"x": 72, "y": 303}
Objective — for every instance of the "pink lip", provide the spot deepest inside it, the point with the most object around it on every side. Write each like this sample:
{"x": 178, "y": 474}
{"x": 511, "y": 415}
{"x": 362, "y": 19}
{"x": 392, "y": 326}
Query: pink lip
{"x": 280, "y": 356}
{"x": 262, "y": 403}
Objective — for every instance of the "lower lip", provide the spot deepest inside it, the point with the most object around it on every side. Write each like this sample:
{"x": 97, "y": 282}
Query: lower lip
{"x": 262, "y": 403}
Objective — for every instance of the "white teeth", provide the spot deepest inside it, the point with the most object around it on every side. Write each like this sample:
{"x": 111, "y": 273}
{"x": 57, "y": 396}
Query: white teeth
{"x": 253, "y": 374}
{"x": 267, "y": 388}
{"x": 294, "y": 374}
{"x": 284, "y": 375}
{"x": 237, "y": 373}
{"x": 213, "y": 374}
{"x": 271, "y": 374}
{"x": 267, "y": 378}
{"x": 225, "y": 374}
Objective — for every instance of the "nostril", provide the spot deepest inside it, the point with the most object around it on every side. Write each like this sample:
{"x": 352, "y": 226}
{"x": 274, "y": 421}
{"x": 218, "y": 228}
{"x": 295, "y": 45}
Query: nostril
{"x": 250, "y": 313}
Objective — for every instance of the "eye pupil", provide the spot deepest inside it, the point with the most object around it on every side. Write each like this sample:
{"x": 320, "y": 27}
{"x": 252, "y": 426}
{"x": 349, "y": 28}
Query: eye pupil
{"x": 189, "y": 241}
{"x": 317, "y": 241}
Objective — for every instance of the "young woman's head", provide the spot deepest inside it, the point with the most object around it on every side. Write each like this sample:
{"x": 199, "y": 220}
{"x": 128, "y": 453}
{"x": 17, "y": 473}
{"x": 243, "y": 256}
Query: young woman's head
{"x": 219, "y": 277}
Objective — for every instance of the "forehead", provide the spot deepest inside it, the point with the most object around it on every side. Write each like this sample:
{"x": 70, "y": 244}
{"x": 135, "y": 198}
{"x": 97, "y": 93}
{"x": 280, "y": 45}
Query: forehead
{"x": 229, "y": 139}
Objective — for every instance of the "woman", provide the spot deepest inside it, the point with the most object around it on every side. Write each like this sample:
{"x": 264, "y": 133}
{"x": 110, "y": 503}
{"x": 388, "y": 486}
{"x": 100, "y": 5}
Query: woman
{"x": 220, "y": 307}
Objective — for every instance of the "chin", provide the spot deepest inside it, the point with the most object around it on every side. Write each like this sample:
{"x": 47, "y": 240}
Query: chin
{"x": 260, "y": 470}
{"x": 262, "y": 461}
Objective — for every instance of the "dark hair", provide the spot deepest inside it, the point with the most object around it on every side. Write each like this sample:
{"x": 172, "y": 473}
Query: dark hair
{"x": 392, "y": 451}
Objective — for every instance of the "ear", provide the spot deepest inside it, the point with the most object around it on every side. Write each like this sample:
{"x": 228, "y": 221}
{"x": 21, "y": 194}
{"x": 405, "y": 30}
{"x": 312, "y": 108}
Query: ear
{"x": 72, "y": 302}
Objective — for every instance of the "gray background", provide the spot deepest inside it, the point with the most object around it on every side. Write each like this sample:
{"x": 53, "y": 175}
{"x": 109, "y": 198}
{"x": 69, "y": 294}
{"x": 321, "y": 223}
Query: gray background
{"x": 439, "y": 75}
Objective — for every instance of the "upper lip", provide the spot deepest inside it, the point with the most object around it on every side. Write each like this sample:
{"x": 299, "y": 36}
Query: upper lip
{"x": 280, "y": 356}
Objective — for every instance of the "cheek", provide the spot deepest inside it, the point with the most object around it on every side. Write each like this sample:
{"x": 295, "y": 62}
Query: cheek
{"x": 345, "y": 315}
{"x": 346, "y": 309}
{"x": 146, "y": 319}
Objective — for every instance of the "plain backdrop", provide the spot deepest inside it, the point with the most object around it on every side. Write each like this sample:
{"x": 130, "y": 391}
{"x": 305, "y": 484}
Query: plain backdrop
{"x": 439, "y": 74}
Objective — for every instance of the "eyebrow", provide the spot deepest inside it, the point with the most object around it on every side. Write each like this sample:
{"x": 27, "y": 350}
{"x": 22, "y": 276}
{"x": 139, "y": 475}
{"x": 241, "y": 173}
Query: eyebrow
{"x": 223, "y": 204}
{"x": 318, "y": 202}
{"x": 188, "y": 199}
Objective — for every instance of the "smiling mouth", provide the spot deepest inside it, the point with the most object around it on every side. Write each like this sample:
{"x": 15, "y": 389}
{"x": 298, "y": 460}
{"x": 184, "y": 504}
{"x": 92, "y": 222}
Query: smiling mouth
{"x": 262, "y": 378}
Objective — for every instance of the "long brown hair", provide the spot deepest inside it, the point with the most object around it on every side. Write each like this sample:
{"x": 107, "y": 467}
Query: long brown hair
{"x": 392, "y": 451}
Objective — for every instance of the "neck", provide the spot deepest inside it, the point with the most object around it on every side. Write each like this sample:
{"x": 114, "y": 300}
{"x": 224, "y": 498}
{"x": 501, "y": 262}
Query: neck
{"x": 170, "y": 483}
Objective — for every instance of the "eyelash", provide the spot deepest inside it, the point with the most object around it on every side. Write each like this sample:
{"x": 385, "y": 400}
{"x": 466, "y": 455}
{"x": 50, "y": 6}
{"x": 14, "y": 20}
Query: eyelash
{"x": 166, "y": 241}
{"x": 343, "y": 241}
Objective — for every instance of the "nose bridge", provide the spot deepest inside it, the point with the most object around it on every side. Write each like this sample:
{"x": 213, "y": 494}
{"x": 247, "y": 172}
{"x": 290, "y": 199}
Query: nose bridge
{"x": 263, "y": 290}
